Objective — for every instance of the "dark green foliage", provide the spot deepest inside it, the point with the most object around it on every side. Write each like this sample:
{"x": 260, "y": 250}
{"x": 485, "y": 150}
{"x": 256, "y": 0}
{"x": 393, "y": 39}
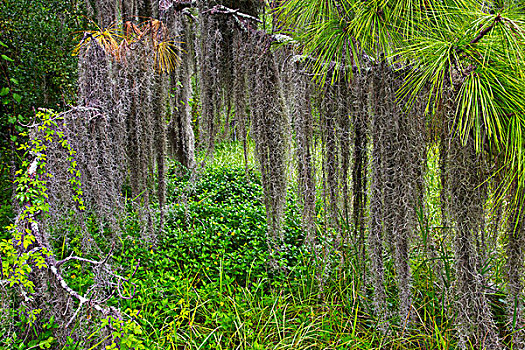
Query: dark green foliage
{"x": 40, "y": 36}
{"x": 36, "y": 70}
{"x": 223, "y": 226}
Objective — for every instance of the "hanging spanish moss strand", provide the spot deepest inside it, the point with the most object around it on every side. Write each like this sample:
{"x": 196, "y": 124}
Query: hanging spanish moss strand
{"x": 154, "y": 4}
{"x": 376, "y": 237}
{"x": 158, "y": 97}
{"x": 434, "y": 247}
{"x": 466, "y": 199}
{"x": 269, "y": 131}
{"x": 104, "y": 10}
{"x": 146, "y": 8}
{"x": 495, "y": 218}
{"x": 214, "y": 74}
{"x": 141, "y": 122}
{"x": 181, "y": 137}
{"x": 209, "y": 49}
{"x": 409, "y": 172}
{"x": 94, "y": 86}
{"x": 345, "y": 106}
{"x": 398, "y": 189}
{"x": 130, "y": 10}
{"x": 146, "y": 120}
{"x": 98, "y": 139}
{"x": 128, "y": 100}
{"x": 97, "y": 133}
{"x": 515, "y": 271}
{"x": 395, "y": 218}
{"x": 329, "y": 132}
{"x": 216, "y": 67}
{"x": 188, "y": 66}
{"x": 239, "y": 93}
{"x": 336, "y": 133}
{"x": 303, "y": 122}
{"x": 359, "y": 172}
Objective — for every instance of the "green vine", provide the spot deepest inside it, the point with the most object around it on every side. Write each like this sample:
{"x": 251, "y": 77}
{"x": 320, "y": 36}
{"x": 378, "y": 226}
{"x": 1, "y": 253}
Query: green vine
{"x": 25, "y": 251}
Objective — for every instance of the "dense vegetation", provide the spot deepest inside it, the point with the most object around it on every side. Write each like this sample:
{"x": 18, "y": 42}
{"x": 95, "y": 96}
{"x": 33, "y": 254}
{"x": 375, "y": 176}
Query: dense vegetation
{"x": 37, "y": 70}
{"x": 206, "y": 283}
{"x": 262, "y": 174}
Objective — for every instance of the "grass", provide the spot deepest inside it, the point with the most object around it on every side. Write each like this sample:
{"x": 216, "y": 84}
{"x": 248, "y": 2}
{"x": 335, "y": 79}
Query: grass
{"x": 206, "y": 284}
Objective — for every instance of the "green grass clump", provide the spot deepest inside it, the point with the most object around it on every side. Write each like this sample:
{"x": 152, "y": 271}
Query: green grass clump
{"x": 206, "y": 284}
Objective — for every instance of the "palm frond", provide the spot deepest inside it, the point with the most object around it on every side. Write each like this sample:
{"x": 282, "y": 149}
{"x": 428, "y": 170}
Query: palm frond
{"x": 107, "y": 38}
{"x": 118, "y": 43}
{"x": 166, "y": 57}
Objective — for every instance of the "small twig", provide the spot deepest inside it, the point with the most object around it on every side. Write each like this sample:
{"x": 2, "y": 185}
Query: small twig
{"x": 109, "y": 297}
{"x": 74, "y": 315}
{"x": 132, "y": 295}
{"x": 486, "y": 30}
{"x": 102, "y": 262}
{"x": 228, "y": 11}
{"x": 120, "y": 279}
{"x": 67, "y": 306}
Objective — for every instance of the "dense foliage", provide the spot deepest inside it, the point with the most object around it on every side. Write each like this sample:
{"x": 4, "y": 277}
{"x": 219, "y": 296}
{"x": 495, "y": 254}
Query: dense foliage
{"x": 37, "y": 70}
{"x": 383, "y": 207}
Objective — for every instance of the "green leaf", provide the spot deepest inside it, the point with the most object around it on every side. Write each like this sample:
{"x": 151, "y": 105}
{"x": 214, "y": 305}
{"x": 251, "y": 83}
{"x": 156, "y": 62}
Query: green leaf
{"x": 14, "y": 81}
{"x": 17, "y": 97}
{"x": 2, "y": 44}
{"x": 7, "y": 58}
{"x": 4, "y": 91}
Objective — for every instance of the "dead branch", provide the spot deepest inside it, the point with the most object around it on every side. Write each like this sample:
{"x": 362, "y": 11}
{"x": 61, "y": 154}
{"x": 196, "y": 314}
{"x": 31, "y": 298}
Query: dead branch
{"x": 221, "y": 9}
{"x": 101, "y": 262}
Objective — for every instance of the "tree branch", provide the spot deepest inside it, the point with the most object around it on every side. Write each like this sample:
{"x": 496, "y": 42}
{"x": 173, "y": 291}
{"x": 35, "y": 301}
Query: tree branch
{"x": 228, "y": 11}
{"x": 101, "y": 262}
{"x": 481, "y": 34}
{"x": 486, "y": 30}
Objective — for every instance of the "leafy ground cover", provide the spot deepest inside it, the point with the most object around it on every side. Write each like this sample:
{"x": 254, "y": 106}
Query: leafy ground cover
{"x": 206, "y": 283}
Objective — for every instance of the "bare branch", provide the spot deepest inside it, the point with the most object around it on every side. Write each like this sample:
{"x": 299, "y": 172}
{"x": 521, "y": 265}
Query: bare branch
{"x": 228, "y": 11}
{"x": 102, "y": 262}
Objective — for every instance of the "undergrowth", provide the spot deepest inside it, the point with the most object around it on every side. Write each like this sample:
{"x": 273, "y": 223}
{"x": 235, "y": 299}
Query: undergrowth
{"x": 206, "y": 283}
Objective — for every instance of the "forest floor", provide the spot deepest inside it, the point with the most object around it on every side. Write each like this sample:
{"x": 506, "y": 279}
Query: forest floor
{"x": 206, "y": 284}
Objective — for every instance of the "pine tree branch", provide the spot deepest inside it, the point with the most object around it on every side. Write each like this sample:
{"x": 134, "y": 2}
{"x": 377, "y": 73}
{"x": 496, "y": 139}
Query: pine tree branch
{"x": 481, "y": 34}
{"x": 486, "y": 30}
